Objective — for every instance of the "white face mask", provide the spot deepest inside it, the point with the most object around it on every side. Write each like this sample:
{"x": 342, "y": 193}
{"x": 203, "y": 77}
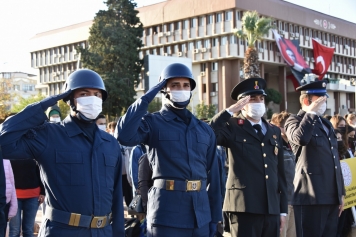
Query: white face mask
{"x": 102, "y": 127}
{"x": 89, "y": 106}
{"x": 254, "y": 110}
{"x": 55, "y": 119}
{"x": 321, "y": 109}
{"x": 179, "y": 96}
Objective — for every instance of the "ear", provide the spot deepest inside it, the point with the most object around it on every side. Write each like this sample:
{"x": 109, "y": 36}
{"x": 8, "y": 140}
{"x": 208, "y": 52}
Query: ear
{"x": 306, "y": 101}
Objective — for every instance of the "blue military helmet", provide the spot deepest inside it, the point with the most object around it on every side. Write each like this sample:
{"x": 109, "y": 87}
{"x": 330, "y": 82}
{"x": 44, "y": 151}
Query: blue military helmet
{"x": 176, "y": 70}
{"x": 85, "y": 78}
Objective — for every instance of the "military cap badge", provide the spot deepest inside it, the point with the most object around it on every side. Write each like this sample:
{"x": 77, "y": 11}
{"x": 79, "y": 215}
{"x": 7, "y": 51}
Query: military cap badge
{"x": 256, "y": 87}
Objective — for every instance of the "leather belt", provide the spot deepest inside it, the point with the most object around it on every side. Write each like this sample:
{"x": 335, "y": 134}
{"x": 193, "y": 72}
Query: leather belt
{"x": 75, "y": 219}
{"x": 178, "y": 185}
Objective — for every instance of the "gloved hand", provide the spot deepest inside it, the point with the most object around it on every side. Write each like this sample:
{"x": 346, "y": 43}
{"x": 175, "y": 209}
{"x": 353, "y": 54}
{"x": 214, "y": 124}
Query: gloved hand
{"x": 52, "y": 100}
{"x": 151, "y": 93}
{"x": 212, "y": 228}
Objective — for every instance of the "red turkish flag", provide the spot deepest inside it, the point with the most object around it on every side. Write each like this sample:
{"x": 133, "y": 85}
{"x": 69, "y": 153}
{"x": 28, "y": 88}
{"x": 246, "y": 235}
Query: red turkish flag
{"x": 322, "y": 58}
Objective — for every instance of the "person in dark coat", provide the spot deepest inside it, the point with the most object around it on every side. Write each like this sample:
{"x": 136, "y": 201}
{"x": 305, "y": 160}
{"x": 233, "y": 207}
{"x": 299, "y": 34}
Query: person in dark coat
{"x": 318, "y": 184}
{"x": 145, "y": 181}
{"x": 79, "y": 163}
{"x": 279, "y": 119}
{"x": 256, "y": 189}
{"x": 182, "y": 154}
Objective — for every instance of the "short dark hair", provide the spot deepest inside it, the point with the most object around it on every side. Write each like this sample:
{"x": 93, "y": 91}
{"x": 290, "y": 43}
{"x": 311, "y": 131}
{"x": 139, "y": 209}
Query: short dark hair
{"x": 100, "y": 116}
{"x": 279, "y": 119}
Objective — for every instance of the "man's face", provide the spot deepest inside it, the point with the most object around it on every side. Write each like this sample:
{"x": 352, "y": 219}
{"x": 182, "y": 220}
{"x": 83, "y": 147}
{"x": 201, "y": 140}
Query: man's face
{"x": 291, "y": 55}
{"x": 83, "y": 92}
{"x": 176, "y": 84}
{"x": 101, "y": 121}
{"x": 257, "y": 99}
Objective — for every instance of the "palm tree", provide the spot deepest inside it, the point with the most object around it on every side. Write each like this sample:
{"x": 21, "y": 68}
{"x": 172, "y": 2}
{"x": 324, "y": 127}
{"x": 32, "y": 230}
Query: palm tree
{"x": 253, "y": 29}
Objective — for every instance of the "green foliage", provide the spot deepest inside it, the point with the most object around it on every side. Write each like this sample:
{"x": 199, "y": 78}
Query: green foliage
{"x": 65, "y": 109}
{"x": 24, "y": 102}
{"x": 203, "y": 111}
{"x": 253, "y": 27}
{"x": 155, "y": 105}
{"x": 115, "y": 41}
{"x": 273, "y": 95}
{"x": 269, "y": 113}
{"x": 5, "y": 97}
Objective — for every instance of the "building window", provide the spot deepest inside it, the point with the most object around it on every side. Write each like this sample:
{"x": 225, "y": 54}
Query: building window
{"x": 202, "y": 67}
{"x": 215, "y": 42}
{"x": 191, "y": 45}
{"x": 193, "y": 22}
{"x": 27, "y": 87}
{"x": 214, "y": 87}
{"x": 214, "y": 66}
{"x": 238, "y": 15}
{"x": 183, "y": 48}
{"x": 198, "y": 44}
{"x": 207, "y": 43}
{"x": 218, "y": 17}
{"x": 185, "y": 24}
{"x": 201, "y": 21}
{"x": 209, "y": 19}
{"x": 228, "y": 16}
{"x": 223, "y": 40}
{"x": 177, "y": 25}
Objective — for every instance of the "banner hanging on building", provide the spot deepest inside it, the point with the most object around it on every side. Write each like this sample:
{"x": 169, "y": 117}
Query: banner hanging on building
{"x": 348, "y": 168}
{"x": 322, "y": 58}
{"x": 290, "y": 52}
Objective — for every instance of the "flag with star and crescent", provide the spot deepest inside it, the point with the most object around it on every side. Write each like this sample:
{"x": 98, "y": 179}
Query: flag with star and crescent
{"x": 322, "y": 58}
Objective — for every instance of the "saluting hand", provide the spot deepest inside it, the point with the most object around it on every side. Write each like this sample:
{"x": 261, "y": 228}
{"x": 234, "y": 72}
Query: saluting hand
{"x": 52, "y": 100}
{"x": 315, "y": 105}
{"x": 239, "y": 104}
{"x": 283, "y": 222}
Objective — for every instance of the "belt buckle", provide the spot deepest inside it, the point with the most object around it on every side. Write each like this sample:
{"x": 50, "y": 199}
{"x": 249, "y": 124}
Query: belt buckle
{"x": 170, "y": 185}
{"x": 74, "y": 219}
{"x": 193, "y": 185}
{"x": 98, "y": 222}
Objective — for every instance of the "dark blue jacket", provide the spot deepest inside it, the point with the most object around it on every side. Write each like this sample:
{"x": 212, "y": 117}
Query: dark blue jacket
{"x": 79, "y": 176}
{"x": 180, "y": 152}
{"x": 135, "y": 155}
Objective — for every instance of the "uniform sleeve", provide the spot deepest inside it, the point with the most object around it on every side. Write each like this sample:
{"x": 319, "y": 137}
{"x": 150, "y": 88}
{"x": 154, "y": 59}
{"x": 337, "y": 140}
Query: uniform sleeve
{"x": 134, "y": 157}
{"x": 132, "y": 128}
{"x": 214, "y": 191}
{"x": 13, "y": 201}
{"x": 42, "y": 189}
{"x": 18, "y": 137}
{"x": 221, "y": 127}
{"x": 300, "y": 132}
{"x": 117, "y": 206}
{"x": 144, "y": 179}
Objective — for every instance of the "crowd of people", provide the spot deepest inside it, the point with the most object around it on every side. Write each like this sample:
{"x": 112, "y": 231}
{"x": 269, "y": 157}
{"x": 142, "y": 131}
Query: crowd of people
{"x": 238, "y": 173}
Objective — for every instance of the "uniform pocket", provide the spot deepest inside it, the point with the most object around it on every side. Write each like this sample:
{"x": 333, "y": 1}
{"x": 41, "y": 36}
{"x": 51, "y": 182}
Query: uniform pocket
{"x": 110, "y": 165}
{"x": 69, "y": 168}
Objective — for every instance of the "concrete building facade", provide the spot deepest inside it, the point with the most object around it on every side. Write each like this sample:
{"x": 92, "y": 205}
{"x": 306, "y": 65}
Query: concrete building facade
{"x": 203, "y": 31}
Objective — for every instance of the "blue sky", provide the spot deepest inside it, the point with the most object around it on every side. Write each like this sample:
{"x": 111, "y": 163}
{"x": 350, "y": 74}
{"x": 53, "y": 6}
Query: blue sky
{"x": 22, "y": 19}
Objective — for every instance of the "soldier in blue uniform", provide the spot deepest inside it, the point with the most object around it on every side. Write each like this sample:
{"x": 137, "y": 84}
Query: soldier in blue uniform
{"x": 80, "y": 164}
{"x": 182, "y": 154}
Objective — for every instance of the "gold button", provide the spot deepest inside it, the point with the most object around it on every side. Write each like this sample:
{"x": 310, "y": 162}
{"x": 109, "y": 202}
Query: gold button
{"x": 332, "y": 148}
{"x": 266, "y": 176}
{"x": 262, "y": 144}
{"x": 244, "y": 140}
{"x": 334, "y": 157}
{"x": 266, "y": 165}
{"x": 329, "y": 138}
{"x": 335, "y": 167}
{"x": 264, "y": 154}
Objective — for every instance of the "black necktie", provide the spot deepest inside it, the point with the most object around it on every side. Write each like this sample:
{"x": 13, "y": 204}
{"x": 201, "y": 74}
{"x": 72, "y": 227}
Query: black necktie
{"x": 259, "y": 131}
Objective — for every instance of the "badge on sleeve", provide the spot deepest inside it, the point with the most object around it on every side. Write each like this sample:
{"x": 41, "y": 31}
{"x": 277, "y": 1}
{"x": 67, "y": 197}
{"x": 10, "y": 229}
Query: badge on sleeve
{"x": 275, "y": 150}
{"x": 240, "y": 122}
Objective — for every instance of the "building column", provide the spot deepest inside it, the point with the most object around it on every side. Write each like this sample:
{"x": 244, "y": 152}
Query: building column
{"x": 337, "y": 102}
{"x": 226, "y": 83}
{"x": 262, "y": 70}
{"x": 282, "y": 84}
{"x": 208, "y": 82}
